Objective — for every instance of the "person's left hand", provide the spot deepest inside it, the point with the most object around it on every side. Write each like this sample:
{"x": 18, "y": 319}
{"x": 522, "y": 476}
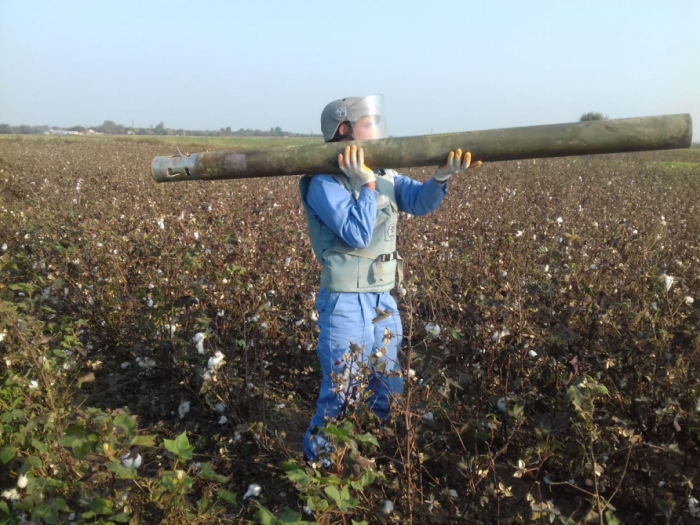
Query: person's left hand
{"x": 456, "y": 162}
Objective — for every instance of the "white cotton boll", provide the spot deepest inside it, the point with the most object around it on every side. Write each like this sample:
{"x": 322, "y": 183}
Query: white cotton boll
{"x": 254, "y": 491}
{"x": 402, "y": 292}
{"x": 313, "y": 316}
{"x": 11, "y": 494}
{"x": 146, "y": 362}
{"x": 219, "y": 407}
{"x": 668, "y": 281}
{"x": 387, "y": 507}
{"x": 223, "y": 420}
{"x": 453, "y": 493}
{"x": 33, "y": 384}
{"x": 4, "y": 247}
{"x": 546, "y": 268}
{"x": 693, "y": 507}
{"x": 499, "y": 334}
{"x": 220, "y": 313}
{"x": 428, "y": 416}
{"x": 183, "y": 409}
{"x": 519, "y": 233}
{"x": 560, "y": 220}
{"x": 161, "y": 223}
{"x": 199, "y": 336}
{"x": 592, "y": 267}
{"x": 196, "y": 236}
{"x": 150, "y": 302}
{"x": 532, "y": 353}
{"x": 501, "y": 405}
{"x": 687, "y": 300}
{"x": 216, "y": 360}
{"x": 125, "y": 365}
{"x": 3, "y": 334}
{"x": 206, "y": 376}
{"x": 433, "y": 329}
{"x": 22, "y": 481}
{"x": 170, "y": 329}
{"x": 127, "y": 460}
{"x": 411, "y": 373}
{"x": 150, "y": 286}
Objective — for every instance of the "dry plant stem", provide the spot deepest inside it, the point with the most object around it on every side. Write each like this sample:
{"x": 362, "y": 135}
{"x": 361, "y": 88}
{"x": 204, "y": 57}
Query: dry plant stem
{"x": 595, "y": 480}
{"x": 410, "y": 432}
{"x": 624, "y": 473}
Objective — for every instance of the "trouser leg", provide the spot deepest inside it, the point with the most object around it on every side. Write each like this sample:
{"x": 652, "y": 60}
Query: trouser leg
{"x": 385, "y": 387}
{"x": 342, "y": 321}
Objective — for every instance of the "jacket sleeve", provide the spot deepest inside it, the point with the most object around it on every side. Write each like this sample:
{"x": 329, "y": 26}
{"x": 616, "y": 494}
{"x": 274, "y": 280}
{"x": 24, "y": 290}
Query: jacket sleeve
{"x": 336, "y": 208}
{"x": 418, "y": 198}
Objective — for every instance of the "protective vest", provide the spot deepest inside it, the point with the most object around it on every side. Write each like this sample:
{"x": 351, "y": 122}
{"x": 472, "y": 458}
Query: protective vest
{"x": 347, "y": 269}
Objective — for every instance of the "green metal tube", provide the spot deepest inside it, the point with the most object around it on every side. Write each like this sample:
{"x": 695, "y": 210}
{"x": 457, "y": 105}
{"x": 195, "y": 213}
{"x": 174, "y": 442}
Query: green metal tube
{"x": 533, "y": 142}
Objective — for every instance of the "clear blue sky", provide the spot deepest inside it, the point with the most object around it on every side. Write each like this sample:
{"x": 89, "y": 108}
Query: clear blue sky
{"x": 443, "y": 66}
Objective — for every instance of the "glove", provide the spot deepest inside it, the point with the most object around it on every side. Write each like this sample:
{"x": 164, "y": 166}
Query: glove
{"x": 353, "y": 166}
{"x": 456, "y": 162}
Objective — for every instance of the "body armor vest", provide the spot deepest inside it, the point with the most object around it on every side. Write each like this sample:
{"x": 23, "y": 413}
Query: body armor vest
{"x": 347, "y": 269}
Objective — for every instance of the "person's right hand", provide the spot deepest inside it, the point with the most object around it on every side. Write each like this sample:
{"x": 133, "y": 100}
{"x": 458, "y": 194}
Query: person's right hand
{"x": 353, "y": 166}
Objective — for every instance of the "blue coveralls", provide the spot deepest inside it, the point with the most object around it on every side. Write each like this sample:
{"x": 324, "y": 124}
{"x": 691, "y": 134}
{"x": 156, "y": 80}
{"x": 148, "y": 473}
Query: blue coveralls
{"x": 346, "y": 317}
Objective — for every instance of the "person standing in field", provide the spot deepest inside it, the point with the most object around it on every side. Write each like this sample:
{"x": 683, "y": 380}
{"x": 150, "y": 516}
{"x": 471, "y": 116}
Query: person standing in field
{"x": 352, "y": 217}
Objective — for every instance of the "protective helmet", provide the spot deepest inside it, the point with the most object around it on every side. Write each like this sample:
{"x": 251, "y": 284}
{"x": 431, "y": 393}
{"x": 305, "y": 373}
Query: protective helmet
{"x": 352, "y": 109}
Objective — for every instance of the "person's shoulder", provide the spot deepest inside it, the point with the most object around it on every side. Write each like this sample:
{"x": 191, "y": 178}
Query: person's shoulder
{"x": 321, "y": 180}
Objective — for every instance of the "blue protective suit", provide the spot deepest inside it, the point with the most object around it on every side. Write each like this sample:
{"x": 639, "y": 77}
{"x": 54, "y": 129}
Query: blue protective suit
{"x": 346, "y": 317}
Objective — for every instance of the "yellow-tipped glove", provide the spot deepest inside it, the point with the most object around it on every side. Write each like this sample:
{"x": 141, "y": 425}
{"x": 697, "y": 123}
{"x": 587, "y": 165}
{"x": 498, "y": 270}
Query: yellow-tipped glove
{"x": 353, "y": 165}
{"x": 456, "y": 162}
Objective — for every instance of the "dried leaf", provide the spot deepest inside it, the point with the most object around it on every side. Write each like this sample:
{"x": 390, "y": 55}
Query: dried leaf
{"x": 381, "y": 315}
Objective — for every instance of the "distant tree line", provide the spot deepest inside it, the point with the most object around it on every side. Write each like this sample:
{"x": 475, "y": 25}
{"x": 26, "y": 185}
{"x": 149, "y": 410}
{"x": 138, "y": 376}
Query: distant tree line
{"x": 110, "y": 128}
{"x": 592, "y": 115}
